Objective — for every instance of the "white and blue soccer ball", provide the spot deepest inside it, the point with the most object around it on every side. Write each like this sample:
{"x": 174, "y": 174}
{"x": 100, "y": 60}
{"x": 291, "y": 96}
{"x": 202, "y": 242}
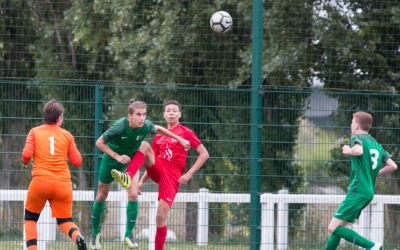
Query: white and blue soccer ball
{"x": 221, "y": 22}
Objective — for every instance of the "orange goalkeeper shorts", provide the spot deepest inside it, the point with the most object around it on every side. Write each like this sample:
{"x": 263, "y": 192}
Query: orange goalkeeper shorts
{"x": 58, "y": 193}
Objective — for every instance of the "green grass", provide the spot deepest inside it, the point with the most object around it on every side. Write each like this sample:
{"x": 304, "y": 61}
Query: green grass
{"x": 14, "y": 245}
{"x": 8, "y": 245}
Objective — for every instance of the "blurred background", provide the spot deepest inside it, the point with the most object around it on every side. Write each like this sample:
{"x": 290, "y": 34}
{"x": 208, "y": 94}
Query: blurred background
{"x": 272, "y": 101}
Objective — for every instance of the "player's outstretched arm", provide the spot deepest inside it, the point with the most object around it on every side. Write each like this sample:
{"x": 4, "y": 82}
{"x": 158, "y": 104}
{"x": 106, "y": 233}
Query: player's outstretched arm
{"x": 29, "y": 148}
{"x": 389, "y": 167}
{"x": 74, "y": 155}
{"x": 356, "y": 150}
{"x": 201, "y": 159}
{"x": 161, "y": 130}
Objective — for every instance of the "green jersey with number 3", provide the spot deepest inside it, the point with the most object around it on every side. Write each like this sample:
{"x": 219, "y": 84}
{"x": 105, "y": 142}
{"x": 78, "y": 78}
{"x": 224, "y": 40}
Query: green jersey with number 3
{"x": 365, "y": 168}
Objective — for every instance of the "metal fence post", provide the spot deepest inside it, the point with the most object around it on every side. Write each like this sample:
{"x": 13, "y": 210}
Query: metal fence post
{"x": 267, "y": 223}
{"x": 255, "y": 130}
{"x": 202, "y": 218}
{"x": 46, "y": 227}
{"x": 282, "y": 223}
{"x": 152, "y": 223}
{"x": 123, "y": 203}
{"x": 364, "y": 222}
{"x": 377, "y": 220}
{"x": 98, "y": 130}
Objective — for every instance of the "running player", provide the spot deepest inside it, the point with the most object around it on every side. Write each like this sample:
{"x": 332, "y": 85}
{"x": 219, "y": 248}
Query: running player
{"x": 368, "y": 160}
{"x": 121, "y": 144}
{"x": 50, "y": 146}
{"x": 166, "y": 163}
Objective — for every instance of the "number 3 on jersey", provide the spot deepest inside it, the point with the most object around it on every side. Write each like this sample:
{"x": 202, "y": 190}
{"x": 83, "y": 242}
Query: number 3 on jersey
{"x": 51, "y": 139}
{"x": 374, "y": 157}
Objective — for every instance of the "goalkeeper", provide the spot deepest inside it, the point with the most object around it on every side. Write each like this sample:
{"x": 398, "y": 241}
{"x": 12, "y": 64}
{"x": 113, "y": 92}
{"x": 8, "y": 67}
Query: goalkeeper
{"x": 50, "y": 146}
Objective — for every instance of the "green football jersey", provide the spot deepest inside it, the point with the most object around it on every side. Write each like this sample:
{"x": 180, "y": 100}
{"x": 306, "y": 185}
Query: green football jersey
{"x": 125, "y": 140}
{"x": 365, "y": 168}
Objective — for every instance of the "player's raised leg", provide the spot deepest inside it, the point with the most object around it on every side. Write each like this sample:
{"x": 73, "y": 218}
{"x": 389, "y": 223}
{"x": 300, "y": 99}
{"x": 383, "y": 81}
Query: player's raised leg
{"x": 122, "y": 178}
{"x": 145, "y": 155}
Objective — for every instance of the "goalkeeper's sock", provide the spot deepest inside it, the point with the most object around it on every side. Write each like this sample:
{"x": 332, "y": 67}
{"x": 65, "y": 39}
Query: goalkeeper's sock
{"x": 97, "y": 212}
{"x": 131, "y": 216}
{"x": 69, "y": 229}
{"x": 31, "y": 234}
{"x": 332, "y": 242}
{"x": 161, "y": 234}
{"x": 353, "y": 237}
{"x": 137, "y": 161}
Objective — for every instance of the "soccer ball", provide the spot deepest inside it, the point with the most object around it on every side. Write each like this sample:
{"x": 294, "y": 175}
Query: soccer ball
{"x": 221, "y": 22}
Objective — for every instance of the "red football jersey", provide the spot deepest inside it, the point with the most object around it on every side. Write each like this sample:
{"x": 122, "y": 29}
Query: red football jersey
{"x": 170, "y": 152}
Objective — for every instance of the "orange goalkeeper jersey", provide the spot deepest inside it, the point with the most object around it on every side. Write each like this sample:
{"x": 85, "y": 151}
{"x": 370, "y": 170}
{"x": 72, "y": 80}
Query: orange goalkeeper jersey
{"x": 51, "y": 146}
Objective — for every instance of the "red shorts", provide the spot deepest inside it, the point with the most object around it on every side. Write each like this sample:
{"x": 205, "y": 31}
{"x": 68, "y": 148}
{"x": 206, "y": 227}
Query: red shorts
{"x": 167, "y": 179}
{"x": 58, "y": 193}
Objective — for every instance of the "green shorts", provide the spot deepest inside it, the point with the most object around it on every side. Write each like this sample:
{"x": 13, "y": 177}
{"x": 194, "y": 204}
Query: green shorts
{"x": 106, "y": 165}
{"x": 350, "y": 209}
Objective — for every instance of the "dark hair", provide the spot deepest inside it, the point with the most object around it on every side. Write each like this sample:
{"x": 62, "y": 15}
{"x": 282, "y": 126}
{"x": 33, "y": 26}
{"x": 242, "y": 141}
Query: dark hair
{"x": 364, "y": 119}
{"x": 174, "y": 102}
{"x": 134, "y": 104}
{"x": 52, "y": 110}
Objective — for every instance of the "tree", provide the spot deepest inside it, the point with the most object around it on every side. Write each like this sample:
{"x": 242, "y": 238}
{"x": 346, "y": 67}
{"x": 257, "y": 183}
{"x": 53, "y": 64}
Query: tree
{"x": 169, "y": 43}
{"x": 365, "y": 58}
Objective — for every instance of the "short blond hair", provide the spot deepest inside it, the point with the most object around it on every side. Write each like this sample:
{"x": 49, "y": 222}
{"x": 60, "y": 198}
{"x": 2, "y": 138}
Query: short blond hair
{"x": 364, "y": 119}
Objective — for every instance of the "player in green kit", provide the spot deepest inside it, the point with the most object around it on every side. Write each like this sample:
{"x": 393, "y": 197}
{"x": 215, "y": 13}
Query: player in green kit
{"x": 368, "y": 160}
{"x": 120, "y": 144}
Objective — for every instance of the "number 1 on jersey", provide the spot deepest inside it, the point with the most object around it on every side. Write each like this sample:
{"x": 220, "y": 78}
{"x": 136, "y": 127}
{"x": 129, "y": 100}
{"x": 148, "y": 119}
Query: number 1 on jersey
{"x": 51, "y": 139}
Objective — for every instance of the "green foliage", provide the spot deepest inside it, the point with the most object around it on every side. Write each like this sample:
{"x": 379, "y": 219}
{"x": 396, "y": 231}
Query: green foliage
{"x": 149, "y": 42}
{"x": 281, "y": 119}
{"x": 365, "y": 56}
{"x": 161, "y": 42}
{"x": 17, "y": 35}
{"x": 289, "y": 52}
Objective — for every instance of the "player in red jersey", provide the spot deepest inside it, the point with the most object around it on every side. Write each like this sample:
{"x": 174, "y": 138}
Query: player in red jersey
{"x": 50, "y": 146}
{"x": 165, "y": 164}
